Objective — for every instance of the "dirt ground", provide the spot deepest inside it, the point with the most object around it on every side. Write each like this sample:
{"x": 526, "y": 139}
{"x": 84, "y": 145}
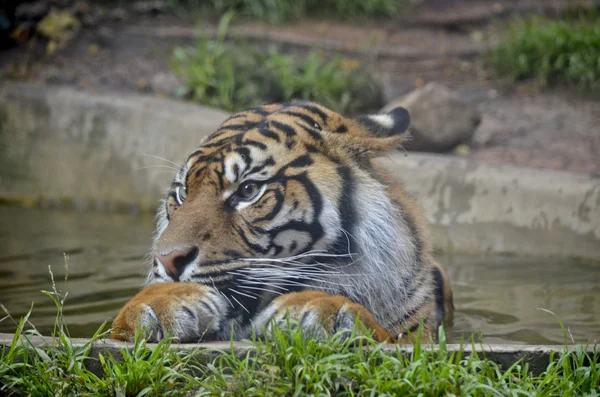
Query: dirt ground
{"x": 439, "y": 41}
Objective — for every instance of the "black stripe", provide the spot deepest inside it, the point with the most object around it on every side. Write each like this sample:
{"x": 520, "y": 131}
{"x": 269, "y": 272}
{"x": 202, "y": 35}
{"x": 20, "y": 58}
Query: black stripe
{"x": 244, "y": 152}
{"x": 200, "y": 171}
{"x": 316, "y": 229}
{"x": 286, "y": 129}
{"x": 314, "y": 109}
{"x": 347, "y": 213}
{"x": 302, "y": 161}
{"x": 405, "y": 318}
{"x": 414, "y": 328}
{"x": 439, "y": 293}
{"x": 341, "y": 129}
{"x": 290, "y": 142}
{"x": 309, "y": 120}
{"x": 254, "y": 143}
{"x": 208, "y": 309}
{"x": 279, "y": 200}
{"x": 310, "y": 148}
{"x": 317, "y": 136}
{"x": 269, "y": 134}
{"x": 232, "y": 127}
{"x": 247, "y": 125}
{"x": 220, "y": 177}
{"x": 222, "y": 142}
{"x": 255, "y": 247}
{"x": 260, "y": 110}
{"x": 233, "y": 253}
{"x": 269, "y": 162}
{"x": 203, "y": 159}
{"x": 189, "y": 311}
{"x": 195, "y": 153}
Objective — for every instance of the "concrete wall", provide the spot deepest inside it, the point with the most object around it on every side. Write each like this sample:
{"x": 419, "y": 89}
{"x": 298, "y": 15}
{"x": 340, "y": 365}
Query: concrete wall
{"x": 59, "y": 145}
{"x": 478, "y": 207}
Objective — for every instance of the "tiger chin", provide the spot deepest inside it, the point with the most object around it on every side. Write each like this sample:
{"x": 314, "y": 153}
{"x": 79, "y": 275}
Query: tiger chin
{"x": 283, "y": 215}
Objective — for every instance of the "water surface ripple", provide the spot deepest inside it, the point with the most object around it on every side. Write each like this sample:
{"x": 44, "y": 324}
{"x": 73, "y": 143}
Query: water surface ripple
{"x": 498, "y": 297}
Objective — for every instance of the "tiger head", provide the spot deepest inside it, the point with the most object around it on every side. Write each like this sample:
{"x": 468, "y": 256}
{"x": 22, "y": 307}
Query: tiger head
{"x": 282, "y": 183}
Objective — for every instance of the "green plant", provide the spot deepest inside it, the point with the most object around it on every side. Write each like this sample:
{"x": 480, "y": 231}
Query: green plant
{"x": 289, "y": 364}
{"x": 564, "y": 51}
{"x": 225, "y": 75}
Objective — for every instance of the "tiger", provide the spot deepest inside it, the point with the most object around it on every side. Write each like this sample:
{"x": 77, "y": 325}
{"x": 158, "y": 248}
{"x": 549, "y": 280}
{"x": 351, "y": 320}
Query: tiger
{"x": 284, "y": 215}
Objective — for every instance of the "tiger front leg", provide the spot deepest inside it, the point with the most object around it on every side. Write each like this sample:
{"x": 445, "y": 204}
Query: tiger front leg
{"x": 188, "y": 311}
{"x": 320, "y": 315}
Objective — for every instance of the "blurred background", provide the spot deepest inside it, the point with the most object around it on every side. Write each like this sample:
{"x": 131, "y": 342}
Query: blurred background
{"x": 528, "y": 68}
{"x": 94, "y": 96}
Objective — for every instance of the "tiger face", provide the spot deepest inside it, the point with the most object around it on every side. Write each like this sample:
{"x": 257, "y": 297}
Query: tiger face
{"x": 278, "y": 181}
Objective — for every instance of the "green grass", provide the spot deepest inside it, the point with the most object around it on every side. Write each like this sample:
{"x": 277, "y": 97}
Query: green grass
{"x": 552, "y": 52}
{"x": 287, "y": 364}
{"x": 234, "y": 77}
{"x": 280, "y": 11}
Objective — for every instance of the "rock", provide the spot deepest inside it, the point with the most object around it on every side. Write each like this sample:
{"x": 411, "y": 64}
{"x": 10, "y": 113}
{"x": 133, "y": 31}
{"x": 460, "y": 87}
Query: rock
{"x": 165, "y": 83}
{"x": 440, "y": 119}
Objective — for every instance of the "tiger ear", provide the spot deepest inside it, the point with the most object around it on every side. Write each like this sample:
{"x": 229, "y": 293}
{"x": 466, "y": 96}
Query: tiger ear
{"x": 373, "y": 134}
{"x": 381, "y": 132}
{"x": 385, "y": 125}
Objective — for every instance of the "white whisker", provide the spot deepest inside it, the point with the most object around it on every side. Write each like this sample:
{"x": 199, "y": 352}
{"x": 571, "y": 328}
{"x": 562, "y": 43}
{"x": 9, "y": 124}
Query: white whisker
{"x": 263, "y": 289}
{"x": 219, "y": 291}
{"x": 160, "y": 158}
{"x": 239, "y": 303}
{"x": 241, "y": 293}
{"x": 348, "y": 235}
{"x": 262, "y": 283}
{"x": 157, "y": 166}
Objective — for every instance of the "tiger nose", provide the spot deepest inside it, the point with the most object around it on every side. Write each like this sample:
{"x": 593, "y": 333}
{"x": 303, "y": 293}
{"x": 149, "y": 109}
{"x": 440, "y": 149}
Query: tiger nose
{"x": 176, "y": 261}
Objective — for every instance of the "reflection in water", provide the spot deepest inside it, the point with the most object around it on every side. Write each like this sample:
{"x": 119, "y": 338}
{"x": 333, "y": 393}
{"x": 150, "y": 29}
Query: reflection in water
{"x": 498, "y": 297}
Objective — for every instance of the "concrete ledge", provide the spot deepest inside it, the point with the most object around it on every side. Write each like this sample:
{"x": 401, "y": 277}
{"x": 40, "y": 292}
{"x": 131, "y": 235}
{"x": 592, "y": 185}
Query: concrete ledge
{"x": 537, "y": 356}
{"x": 60, "y": 146}
{"x": 478, "y": 207}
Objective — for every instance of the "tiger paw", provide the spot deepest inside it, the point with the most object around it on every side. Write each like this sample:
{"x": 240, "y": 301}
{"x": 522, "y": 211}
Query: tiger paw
{"x": 321, "y": 315}
{"x": 187, "y": 311}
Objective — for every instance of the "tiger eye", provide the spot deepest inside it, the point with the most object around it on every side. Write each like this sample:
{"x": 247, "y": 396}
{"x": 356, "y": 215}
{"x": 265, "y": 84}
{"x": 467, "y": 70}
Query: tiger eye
{"x": 248, "y": 190}
{"x": 181, "y": 194}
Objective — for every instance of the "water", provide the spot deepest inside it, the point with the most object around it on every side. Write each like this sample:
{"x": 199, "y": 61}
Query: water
{"x": 497, "y": 297}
